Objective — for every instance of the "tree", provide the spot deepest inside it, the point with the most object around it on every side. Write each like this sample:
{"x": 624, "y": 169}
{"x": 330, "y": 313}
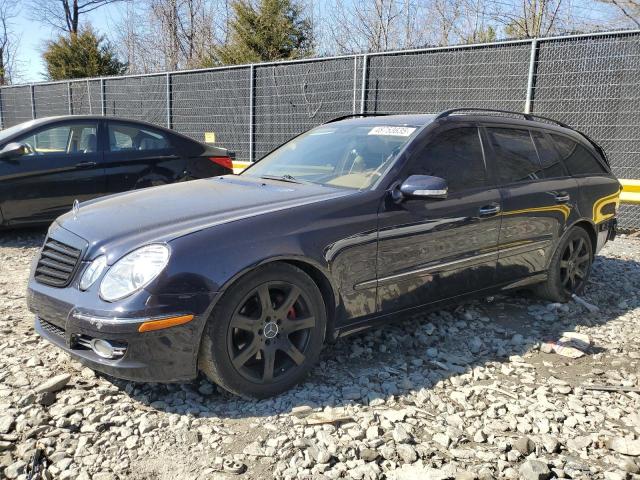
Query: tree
{"x": 268, "y": 30}
{"x": 64, "y": 15}
{"x": 8, "y": 42}
{"x": 170, "y": 34}
{"x": 81, "y": 55}
{"x": 535, "y": 18}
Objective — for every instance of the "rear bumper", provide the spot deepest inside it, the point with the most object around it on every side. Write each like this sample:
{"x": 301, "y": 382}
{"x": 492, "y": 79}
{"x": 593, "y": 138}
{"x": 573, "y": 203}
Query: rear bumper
{"x": 168, "y": 355}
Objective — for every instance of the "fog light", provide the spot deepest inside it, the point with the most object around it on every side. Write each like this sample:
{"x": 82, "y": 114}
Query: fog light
{"x": 105, "y": 349}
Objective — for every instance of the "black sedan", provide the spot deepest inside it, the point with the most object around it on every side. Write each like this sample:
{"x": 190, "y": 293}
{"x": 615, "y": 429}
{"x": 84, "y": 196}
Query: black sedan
{"x": 46, "y": 164}
{"x": 245, "y": 277}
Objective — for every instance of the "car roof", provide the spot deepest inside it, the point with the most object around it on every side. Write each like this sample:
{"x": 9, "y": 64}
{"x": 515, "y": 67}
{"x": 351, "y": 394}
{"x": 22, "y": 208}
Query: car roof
{"x": 481, "y": 116}
{"x": 414, "y": 120}
{"x": 44, "y": 120}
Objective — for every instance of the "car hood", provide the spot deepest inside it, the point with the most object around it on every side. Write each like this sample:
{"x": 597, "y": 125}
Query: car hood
{"x": 163, "y": 213}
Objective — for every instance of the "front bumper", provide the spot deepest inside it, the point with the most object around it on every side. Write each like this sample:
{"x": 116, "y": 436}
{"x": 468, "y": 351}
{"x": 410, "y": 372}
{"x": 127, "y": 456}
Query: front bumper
{"x": 167, "y": 355}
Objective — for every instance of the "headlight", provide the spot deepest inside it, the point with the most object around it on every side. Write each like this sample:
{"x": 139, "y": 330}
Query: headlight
{"x": 93, "y": 272}
{"x": 134, "y": 271}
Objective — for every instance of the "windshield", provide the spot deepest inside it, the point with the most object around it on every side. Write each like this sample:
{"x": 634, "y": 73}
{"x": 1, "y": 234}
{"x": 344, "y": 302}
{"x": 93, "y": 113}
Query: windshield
{"x": 343, "y": 155}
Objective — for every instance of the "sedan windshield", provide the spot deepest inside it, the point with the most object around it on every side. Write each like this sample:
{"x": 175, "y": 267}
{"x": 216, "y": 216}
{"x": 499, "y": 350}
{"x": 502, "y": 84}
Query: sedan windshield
{"x": 342, "y": 155}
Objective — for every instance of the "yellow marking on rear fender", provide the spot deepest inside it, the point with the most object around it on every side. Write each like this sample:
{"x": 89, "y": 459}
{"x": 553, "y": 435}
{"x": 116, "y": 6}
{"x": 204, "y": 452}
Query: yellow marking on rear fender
{"x": 602, "y": 202}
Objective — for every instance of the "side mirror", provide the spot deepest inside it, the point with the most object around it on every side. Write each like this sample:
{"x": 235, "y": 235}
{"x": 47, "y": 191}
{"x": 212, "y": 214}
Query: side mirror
{"x": 12, "y": 150}
{"x": 422, "y": 186}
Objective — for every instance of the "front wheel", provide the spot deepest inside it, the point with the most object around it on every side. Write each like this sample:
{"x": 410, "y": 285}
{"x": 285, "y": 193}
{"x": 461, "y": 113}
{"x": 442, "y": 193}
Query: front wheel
{"x": 265, "y": 334}
{"x": 570, "y": 267}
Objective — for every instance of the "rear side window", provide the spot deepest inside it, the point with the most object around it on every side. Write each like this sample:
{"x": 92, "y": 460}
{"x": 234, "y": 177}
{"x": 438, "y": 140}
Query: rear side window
{"x": 549, "y": 159}
{"x": 127, "y": 137}
{"x": 455, "y": 155}
{"x": 578, "y": 159}
{"x": 515, "y": 156}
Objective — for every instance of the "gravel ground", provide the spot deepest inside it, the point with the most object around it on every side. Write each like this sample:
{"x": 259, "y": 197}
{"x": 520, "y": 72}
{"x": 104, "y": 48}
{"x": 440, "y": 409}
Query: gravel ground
{"x": 462, "y": 393}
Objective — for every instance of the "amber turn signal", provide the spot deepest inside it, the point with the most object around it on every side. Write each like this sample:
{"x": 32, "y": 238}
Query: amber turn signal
{"x": 164, "y": 323}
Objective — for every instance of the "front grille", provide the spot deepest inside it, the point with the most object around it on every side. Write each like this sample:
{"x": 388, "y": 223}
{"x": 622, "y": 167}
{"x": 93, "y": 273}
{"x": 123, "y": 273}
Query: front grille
{"x": 51, "y": 328}
{"x": 57, "y": 263}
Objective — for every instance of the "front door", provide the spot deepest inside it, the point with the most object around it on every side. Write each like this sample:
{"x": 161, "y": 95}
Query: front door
{"x": 435, "y": 249}
{"x": 63, "y": 165}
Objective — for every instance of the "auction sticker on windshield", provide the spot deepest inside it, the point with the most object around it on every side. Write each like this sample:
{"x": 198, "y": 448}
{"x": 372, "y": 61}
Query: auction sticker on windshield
{"x": 392, "y": 131}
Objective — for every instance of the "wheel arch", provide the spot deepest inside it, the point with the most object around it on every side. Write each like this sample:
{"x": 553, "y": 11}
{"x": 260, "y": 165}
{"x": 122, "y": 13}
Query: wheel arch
{"x": 316, "y": 272}
{"x": 590, "y": 228}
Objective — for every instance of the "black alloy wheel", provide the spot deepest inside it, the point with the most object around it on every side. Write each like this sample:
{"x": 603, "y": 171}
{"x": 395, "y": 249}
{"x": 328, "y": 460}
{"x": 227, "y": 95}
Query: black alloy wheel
{"x": 266, "y": 333}
{"x": 575, "y": 264}
{"x": 569, "y": 268}
{"x": 269, "y": 332}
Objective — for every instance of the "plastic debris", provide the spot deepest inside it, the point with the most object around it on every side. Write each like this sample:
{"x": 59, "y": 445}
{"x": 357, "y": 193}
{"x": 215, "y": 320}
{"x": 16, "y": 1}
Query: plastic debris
{"x": 588, "y": 306}
{"x": 570, "y": 345}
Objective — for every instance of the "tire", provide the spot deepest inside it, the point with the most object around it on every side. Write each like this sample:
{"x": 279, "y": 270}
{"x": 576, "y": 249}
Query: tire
{"x": 257, "y": 348}
{"x": 570, "y": 267}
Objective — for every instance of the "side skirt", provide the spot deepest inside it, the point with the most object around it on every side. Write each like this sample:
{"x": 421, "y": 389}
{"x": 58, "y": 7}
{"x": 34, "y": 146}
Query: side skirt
{"x": 384, "y": 318}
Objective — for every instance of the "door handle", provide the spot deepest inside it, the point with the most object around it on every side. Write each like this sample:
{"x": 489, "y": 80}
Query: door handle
{"x": 489, "y": 210}
{"x": 562, "y": 197}
{"x": 86, "y": 164}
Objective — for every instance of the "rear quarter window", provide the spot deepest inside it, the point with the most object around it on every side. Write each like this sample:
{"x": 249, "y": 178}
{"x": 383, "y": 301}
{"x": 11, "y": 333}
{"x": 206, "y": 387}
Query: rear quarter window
{"x": 577, "y": 159}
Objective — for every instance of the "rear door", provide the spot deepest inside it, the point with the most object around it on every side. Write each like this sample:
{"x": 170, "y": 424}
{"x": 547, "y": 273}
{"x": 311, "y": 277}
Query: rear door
{"x": 139, "y": 156}
{"x": 64, "y": 165}
{"x": 599, "y": 192}
{"x": 434, "y": 249}
{"x": 538, "y": 198}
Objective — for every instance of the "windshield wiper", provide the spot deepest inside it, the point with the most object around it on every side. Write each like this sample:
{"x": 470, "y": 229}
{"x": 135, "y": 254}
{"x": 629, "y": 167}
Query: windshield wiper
{"x": 284, "y": 178}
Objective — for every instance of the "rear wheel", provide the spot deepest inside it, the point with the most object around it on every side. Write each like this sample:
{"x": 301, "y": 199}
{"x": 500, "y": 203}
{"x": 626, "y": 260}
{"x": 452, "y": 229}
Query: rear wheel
{"x": 265, "y": 334}
{"x": 570, "y": 267}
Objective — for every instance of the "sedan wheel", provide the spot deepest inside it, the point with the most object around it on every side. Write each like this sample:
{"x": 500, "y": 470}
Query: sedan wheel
{"x": 266, "y": 333}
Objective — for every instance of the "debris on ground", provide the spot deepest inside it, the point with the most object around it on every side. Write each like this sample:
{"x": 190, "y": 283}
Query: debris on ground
{"x": 570, "y": 345}
{"x": 588, "y": 306}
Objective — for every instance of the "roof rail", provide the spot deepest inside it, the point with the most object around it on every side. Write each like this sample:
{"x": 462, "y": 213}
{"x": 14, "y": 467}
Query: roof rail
{"x": 527, "y": 116}
{"x": 354, "y": 115}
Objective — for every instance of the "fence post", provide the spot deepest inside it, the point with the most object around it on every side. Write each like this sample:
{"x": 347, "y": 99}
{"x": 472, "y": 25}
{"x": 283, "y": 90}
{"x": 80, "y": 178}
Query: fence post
{"x": 103, "y": 98}
{"x": 355, "y": 82}
{"x": 70, "y": 106}
{"x": 252, "y": 109}
{"x": 1, "y": 110}
{"x": 531, "y": 76}
{"x": 363, "y": 96}
{"x": 89, "y": 97}
{"x": 168, "y": 104}
{"x": 33, "y": 102}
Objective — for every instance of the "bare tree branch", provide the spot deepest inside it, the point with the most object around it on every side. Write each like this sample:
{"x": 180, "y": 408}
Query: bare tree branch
{"x": 64, "y": 15}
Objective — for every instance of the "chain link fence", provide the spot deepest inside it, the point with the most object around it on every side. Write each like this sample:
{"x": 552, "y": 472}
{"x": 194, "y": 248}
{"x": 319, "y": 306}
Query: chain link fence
{"x": 591, "y": 82}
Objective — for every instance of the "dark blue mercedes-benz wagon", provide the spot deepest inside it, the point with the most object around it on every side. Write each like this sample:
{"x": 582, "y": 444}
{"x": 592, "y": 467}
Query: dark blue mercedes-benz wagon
{"x": 246, "y": 277}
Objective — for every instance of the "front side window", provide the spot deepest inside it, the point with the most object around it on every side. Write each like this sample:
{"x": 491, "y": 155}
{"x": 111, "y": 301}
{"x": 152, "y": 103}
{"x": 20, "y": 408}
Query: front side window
{"x": 455, "y": 155}
{"x": 515, "y": 156}
{"x": 343, "y": 155}
{"x": 126, "y": 137}
{"x": 578, "y": 159}
{"x": 78, "y": 138}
